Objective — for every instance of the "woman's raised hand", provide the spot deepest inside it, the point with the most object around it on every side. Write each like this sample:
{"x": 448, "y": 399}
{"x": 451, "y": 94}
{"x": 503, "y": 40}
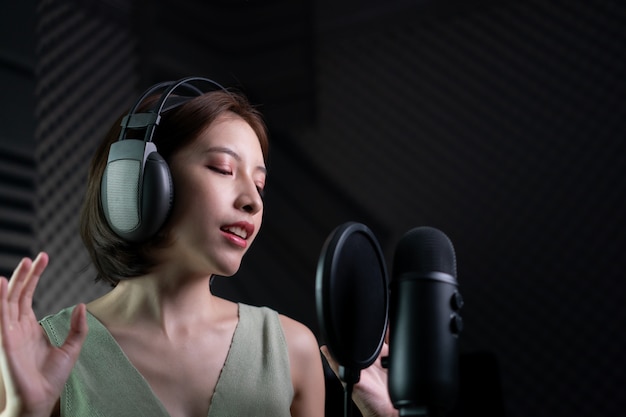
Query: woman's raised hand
{"x": 370, "y": 394}
{"x": 33, "y": 371}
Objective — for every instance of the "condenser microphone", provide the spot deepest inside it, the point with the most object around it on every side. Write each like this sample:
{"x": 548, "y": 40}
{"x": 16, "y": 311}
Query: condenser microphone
{"x": 424, "y": 324}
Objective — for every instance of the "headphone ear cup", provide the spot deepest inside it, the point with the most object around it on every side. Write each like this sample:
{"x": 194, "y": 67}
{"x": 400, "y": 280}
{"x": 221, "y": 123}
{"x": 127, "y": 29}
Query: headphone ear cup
{"x": 157, "y": 196}
{"x": 136, "y": 191}
{"x": 136, "y": 201}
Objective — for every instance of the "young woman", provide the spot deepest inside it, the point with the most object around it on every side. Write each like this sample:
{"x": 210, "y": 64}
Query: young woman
{"x": 160, "y": 343}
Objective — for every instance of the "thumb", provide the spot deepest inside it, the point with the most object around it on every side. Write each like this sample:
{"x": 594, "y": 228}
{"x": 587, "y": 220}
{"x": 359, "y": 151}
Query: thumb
{"x": 62, "y": 359}
{"x": 324, "y": 350}
{"x": 326, "y": 353}
{"x": 334, "y": 365}
{"x": 78, "y": 332}
{"x": 67, "y": 354}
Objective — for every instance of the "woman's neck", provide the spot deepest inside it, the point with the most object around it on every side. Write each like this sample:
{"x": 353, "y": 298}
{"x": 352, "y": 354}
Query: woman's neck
{"x": 159, "y": 301}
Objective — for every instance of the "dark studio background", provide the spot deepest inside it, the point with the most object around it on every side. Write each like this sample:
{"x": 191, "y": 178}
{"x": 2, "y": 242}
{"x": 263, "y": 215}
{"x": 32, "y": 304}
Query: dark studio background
{"x": 499, "y": 122}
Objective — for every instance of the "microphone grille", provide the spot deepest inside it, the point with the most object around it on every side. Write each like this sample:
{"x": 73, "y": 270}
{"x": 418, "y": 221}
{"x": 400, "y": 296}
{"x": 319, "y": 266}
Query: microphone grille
{"x": 423, "y": 250}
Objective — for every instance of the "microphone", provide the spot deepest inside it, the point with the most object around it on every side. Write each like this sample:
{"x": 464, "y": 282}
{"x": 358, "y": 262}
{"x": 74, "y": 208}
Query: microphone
{"x": 424, "y": 324}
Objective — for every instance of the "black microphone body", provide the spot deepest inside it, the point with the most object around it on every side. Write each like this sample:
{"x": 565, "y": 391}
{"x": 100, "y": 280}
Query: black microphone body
{"x": 424, "y": 324}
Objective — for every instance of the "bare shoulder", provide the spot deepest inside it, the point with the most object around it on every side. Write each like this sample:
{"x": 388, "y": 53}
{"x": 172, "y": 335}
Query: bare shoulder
{"x": 304, "y": 352}
{"x": 306, "y": 369}
{"x": 300, "y": 339}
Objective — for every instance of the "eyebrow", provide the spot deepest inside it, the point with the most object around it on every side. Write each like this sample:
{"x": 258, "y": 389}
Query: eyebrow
{"x": 235, "y": 155}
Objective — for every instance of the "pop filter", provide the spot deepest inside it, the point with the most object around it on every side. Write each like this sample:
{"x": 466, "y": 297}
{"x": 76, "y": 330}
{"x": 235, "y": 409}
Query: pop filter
{"x": 352, "y": 298}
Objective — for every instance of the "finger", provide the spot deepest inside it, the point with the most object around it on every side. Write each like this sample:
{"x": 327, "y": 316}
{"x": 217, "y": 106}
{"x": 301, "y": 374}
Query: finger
{"x": 16, "y": 283}
{"x": 384, "y": 351}
{"x": 3, "y": 292}
{"x": 329, "y": 358}
{"x": 78, "y": 331}
{"x": 3, "y": 305}
{"x": 64, "y": 358}
{"x": 325, "y": 352}
{"x": 14, "y": 289}
{"x": 5, "y": 319}
{"x": 37, "y": 268}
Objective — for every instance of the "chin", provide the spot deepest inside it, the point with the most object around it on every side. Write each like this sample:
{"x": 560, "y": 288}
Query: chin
{"x": 228, "y": 270}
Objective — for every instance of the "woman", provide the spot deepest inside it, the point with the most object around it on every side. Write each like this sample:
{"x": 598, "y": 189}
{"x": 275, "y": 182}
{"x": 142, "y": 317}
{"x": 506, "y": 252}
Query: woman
{"x": 159, "y": 343}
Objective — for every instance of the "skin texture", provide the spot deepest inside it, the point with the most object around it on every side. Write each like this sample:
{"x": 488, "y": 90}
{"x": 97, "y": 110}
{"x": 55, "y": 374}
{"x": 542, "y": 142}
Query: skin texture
{"x": 218, "y": 179}
{"x": 155, "y": 317}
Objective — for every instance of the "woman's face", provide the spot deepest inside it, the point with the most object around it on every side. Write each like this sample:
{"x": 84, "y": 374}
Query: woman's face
{"x": 218, "y": 180}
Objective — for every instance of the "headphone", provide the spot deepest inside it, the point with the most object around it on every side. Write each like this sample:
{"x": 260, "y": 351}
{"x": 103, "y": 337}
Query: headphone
{"x": 136, "y": 188}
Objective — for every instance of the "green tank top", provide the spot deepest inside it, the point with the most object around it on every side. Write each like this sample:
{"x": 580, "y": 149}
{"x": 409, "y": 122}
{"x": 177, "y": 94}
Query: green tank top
{"x": 255, "y": 379}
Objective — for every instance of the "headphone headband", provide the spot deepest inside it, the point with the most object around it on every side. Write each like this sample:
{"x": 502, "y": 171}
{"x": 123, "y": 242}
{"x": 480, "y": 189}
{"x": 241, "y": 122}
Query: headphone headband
{"x": 149, "y": 120}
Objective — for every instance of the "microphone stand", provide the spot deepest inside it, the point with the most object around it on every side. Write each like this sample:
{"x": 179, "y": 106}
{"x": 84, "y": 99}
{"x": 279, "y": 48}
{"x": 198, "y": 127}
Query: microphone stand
{"x": 349, "y": 378}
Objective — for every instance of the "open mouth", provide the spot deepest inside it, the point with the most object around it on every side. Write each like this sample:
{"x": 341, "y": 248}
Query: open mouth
{"x": 237, "y": 231}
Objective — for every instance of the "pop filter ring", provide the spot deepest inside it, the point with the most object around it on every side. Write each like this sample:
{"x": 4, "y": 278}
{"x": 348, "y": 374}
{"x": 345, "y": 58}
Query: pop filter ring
{"x": 346, "y": 319}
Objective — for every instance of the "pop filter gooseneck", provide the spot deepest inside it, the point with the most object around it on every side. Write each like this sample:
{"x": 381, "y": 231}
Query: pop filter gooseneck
{"x": 352, "y": 300}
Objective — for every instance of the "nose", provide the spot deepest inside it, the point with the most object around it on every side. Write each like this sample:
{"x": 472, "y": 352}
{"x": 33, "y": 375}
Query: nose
{"x": 249, "y": 199}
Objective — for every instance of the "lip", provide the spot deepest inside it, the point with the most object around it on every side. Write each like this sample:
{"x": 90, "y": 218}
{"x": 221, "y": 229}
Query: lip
{"x": 233, "y": 238}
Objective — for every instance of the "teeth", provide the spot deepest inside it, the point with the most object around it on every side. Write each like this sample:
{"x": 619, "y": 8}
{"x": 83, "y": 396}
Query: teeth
{"x": 239, "y": 231}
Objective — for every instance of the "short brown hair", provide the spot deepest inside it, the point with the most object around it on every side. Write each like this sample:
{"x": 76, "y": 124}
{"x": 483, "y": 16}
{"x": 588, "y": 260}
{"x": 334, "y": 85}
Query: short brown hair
{"x": 115, "y": 258}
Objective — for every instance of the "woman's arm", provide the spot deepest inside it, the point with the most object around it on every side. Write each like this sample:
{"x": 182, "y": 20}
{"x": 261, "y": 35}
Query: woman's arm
{"x": 307, "y": 373}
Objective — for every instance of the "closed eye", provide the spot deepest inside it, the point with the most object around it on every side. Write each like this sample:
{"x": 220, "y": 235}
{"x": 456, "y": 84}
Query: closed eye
{"x": 220, "y": 170}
